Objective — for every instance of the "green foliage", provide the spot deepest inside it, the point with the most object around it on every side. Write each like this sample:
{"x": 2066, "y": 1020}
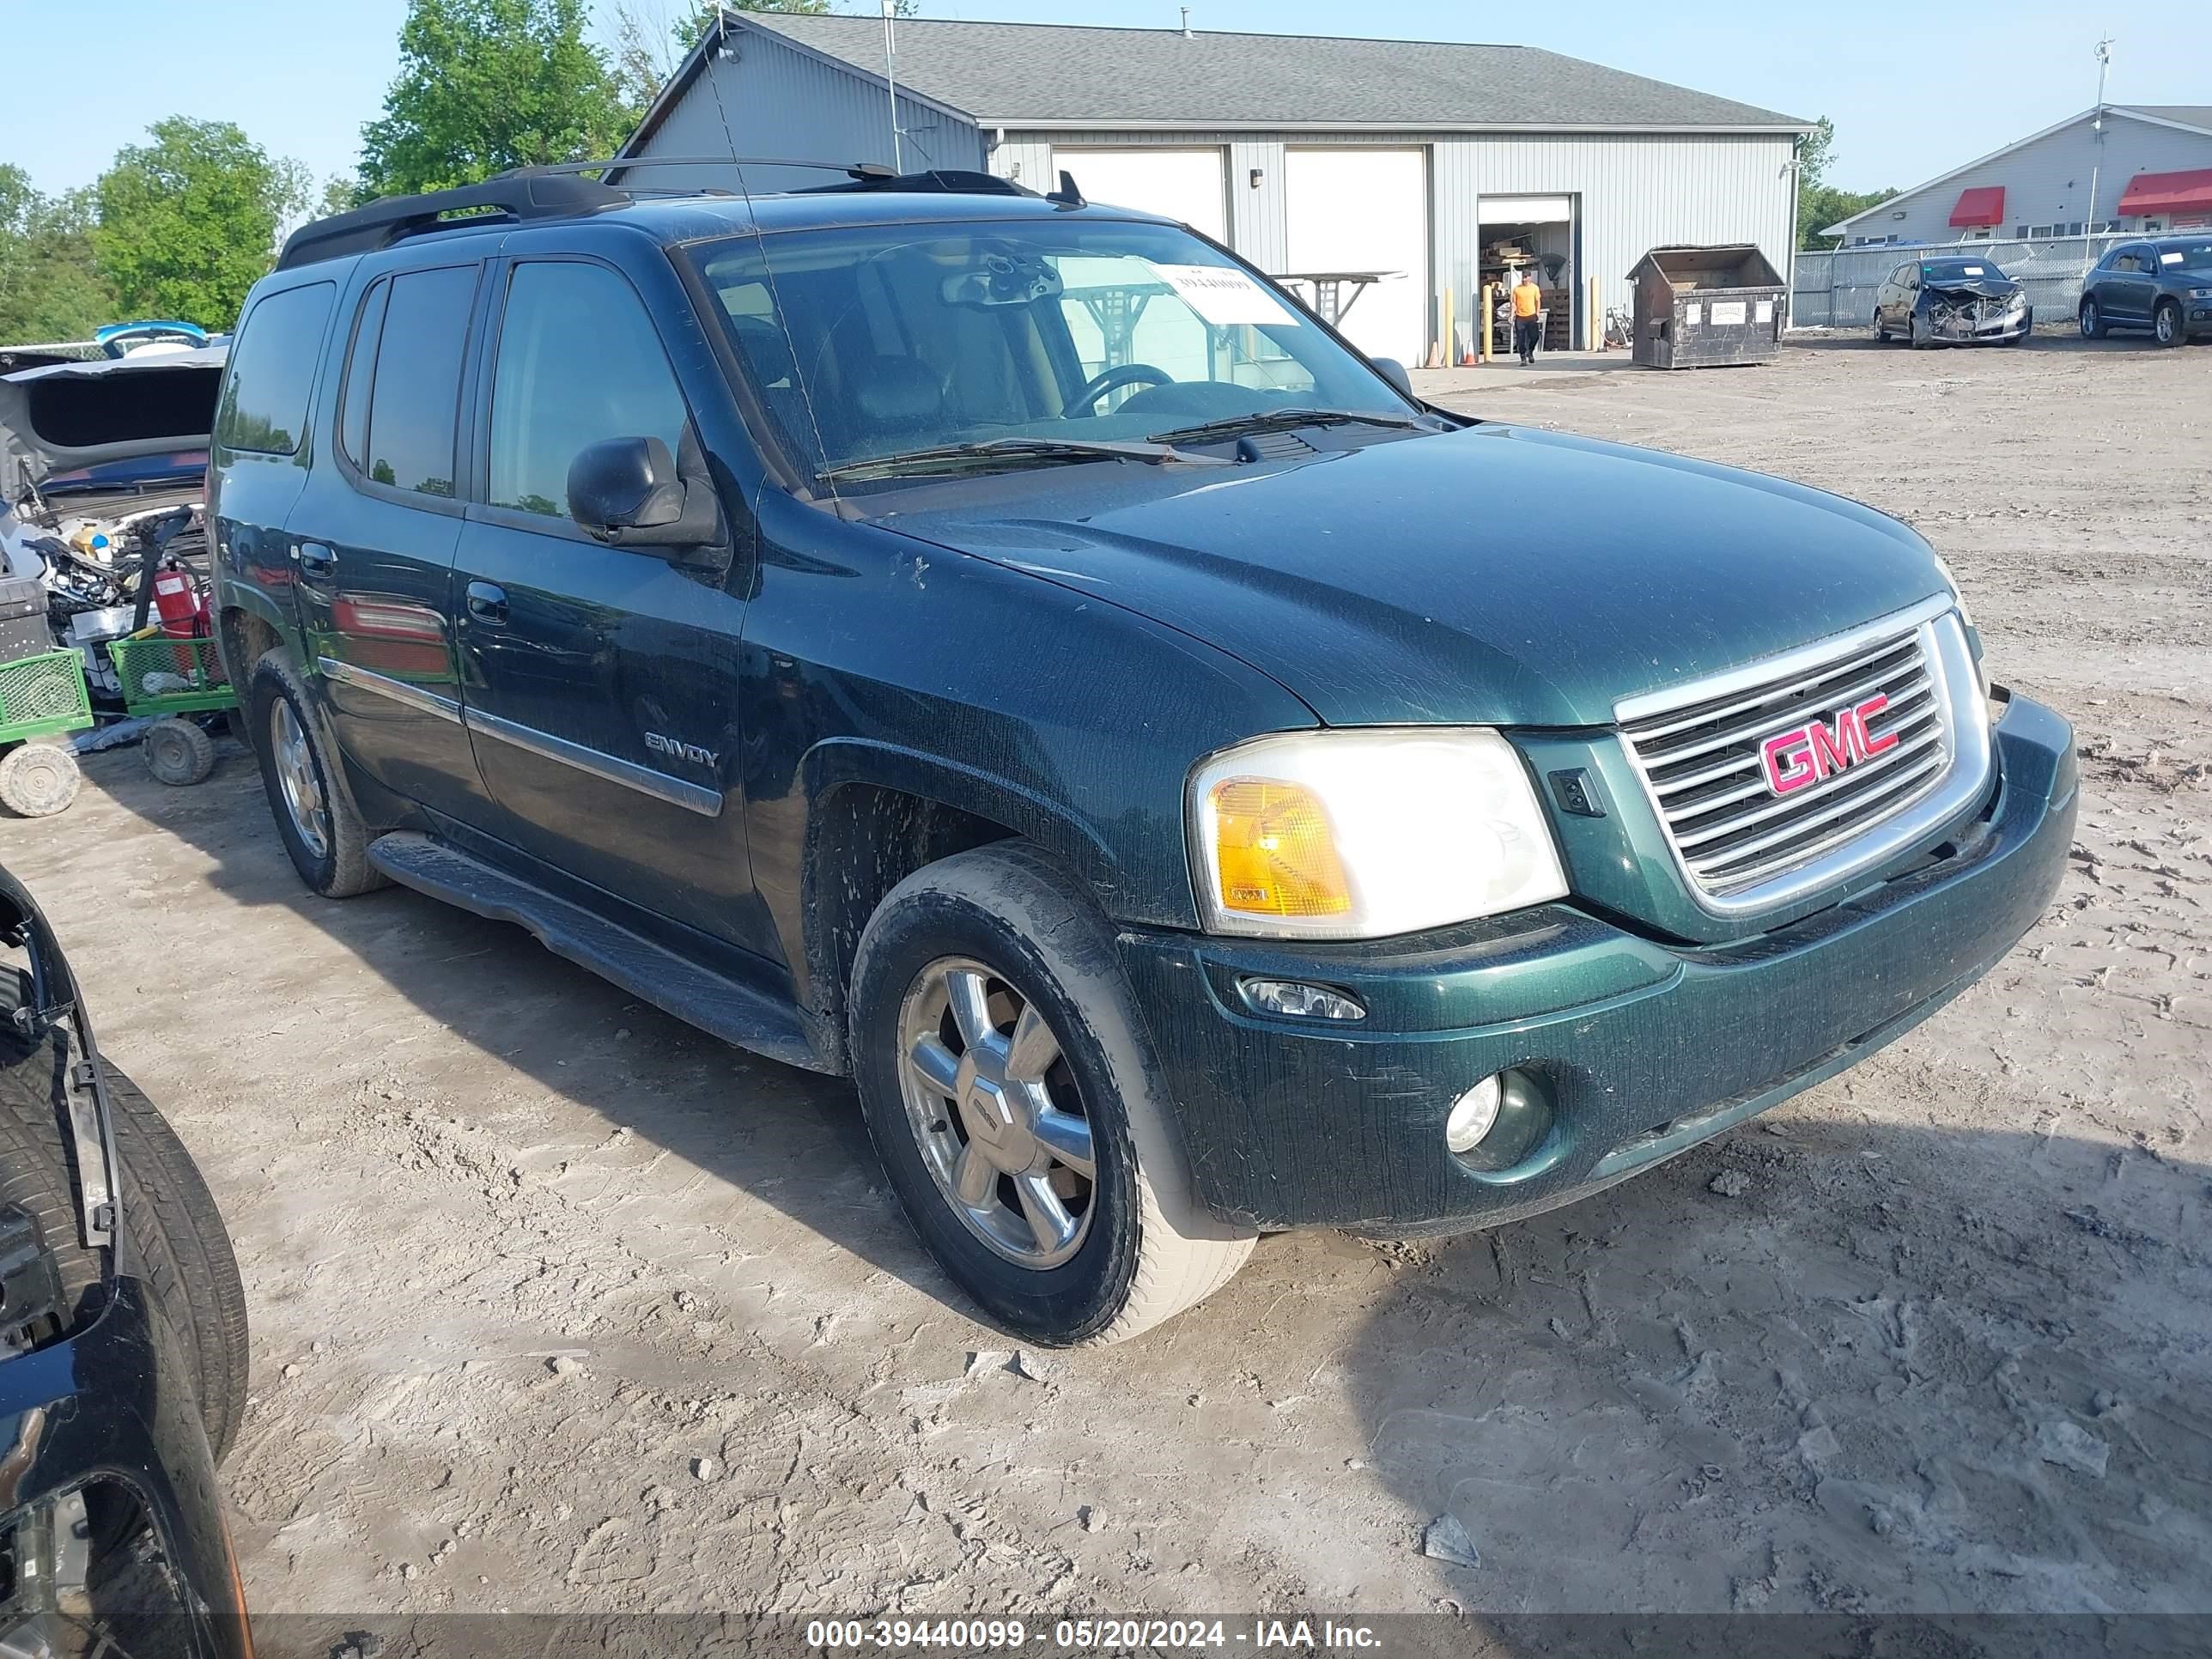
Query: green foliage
{"x": 50, "y": 288}
{"x": 485, "y": 85}
{"x": 1820, "y": 204}
{"x": 188, "y": 223}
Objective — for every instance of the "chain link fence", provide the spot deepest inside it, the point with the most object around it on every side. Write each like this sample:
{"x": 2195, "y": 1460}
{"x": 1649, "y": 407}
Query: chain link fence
{"x": 1837, "y": 289}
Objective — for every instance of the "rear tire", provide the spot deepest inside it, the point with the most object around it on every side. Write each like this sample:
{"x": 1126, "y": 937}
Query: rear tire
{"x": 1143, "y": 1249}
{"x": 177, "y": 751}
{"x": 315, "y": 817}
{"x": 37, "y": 779}
{"x": 2166, "y": 326}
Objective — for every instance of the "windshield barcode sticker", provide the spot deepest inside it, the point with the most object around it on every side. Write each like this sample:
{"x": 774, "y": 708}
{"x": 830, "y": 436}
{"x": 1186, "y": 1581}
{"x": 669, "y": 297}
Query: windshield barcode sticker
{"x": 1223, "y": 295}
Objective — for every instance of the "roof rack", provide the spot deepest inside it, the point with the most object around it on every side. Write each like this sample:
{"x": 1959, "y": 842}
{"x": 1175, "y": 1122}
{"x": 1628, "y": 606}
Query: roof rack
{"x": 513, "y": 197}
{"x": 937, "y": 181}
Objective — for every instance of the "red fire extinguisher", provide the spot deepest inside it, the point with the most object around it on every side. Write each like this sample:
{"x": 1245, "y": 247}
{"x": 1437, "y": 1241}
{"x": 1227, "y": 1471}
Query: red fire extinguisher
{"x": 176, "y": 597}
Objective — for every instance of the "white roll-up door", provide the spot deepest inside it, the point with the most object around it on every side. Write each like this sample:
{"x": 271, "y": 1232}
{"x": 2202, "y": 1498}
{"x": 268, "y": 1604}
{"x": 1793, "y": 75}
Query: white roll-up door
{"x": 1366, "y": 209}
{"x": 1177, "y": 184}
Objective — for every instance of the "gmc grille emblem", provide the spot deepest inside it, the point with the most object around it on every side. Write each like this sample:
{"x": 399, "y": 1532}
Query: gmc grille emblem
{"x": 1806, "y": 755}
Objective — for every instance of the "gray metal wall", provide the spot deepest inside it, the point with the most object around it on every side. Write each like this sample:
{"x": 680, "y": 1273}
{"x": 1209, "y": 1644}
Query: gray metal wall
{"x": 779, "y": 100}
{"x": 1635, "y": 191}
{"x": 2047, "y": 181}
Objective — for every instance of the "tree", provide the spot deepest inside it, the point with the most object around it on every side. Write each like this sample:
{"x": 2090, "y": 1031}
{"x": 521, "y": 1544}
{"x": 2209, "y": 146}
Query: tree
{"x": 1820, "y": 204}
{"x": 485, "y": 85}
{"x": 50, "y": 288}
{"x": 188, "y": 223}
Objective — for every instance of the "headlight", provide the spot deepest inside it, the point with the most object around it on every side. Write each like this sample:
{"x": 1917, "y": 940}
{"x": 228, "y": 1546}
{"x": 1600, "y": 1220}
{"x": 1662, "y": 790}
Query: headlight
{"x": 1361, "y": 834}
{"x": 1951, "y": 582}
{"x": 2200, "y": 293}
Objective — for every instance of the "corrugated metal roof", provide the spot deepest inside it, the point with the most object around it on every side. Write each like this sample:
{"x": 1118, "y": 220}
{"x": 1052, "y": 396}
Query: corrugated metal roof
{"x": 1043, "y": 74}
{"x": 2190, "y": 115}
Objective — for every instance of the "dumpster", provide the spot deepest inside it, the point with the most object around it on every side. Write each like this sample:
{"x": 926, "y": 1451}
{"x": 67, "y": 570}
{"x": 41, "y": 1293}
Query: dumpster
{"x": 1701, "y": 307}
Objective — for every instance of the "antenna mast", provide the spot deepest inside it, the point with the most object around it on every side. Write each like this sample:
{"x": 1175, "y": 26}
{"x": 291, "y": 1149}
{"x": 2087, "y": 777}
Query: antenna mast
{"x": 2097, "y": 162}
{"x": 890, "y": 83}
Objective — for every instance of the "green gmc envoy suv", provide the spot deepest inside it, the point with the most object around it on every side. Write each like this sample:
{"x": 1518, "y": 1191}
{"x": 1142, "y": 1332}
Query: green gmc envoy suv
{"x": 1005, "y": 649}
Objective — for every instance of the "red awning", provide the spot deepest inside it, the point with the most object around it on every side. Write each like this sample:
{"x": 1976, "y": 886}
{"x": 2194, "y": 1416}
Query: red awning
{"x": 1982, "y": 205}
{"x": 2168, "y": 192}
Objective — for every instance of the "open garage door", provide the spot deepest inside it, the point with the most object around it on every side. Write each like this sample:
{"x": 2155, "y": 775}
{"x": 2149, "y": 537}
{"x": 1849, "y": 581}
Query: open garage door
{"x": 1178, "y": 183}
{"x": 1365, "y": 210}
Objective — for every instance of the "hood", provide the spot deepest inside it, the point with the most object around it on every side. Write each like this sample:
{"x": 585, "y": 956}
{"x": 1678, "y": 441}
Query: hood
{"x": 1496, "y": 575}
{"x": 66, "y": 415}
{"x": 1985, "y": 287}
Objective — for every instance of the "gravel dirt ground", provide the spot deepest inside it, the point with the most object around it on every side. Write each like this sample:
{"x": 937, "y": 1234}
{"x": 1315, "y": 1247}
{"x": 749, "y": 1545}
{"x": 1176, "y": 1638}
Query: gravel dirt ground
{"x": 558, "y": 1305}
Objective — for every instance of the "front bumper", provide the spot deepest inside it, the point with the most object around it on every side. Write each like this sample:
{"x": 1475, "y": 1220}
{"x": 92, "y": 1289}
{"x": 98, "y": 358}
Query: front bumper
{"x": 1642, "y": 1048}
{"x": 104, "y": 1411}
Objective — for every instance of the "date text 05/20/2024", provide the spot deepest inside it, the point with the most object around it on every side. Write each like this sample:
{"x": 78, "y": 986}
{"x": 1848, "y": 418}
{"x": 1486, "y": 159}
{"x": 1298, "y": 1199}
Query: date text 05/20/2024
{"x": 1088, "y": 1635}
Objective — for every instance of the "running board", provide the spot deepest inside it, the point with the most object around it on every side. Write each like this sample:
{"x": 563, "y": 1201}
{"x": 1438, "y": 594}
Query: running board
{"x": 721, "y": 1007}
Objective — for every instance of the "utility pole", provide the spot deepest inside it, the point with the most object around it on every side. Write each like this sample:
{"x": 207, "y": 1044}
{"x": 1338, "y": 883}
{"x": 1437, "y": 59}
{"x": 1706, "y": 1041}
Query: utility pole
{"x": 891, "y": 84}
{"x": 2097, "y": 162}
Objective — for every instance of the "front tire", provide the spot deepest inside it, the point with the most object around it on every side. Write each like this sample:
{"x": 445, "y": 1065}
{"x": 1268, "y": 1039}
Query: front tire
{"x": 315, "y": 815}
{"x": 2093, "y": 327}
{"x": 1011, "y": 1092}
{"x": 1881, "y": 328}
{"x": 2166, "y": 324}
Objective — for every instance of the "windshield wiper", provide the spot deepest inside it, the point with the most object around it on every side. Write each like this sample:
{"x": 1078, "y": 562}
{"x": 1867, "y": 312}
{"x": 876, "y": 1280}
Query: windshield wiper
{"x": 1037, "y": 452}
{"x": 1281, "y": 420}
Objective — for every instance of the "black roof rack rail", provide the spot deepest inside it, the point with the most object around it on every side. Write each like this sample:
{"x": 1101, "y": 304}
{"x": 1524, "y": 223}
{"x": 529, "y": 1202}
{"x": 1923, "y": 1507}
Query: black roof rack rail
{"x": 513, "y": 197}
{"x": 939, "y": 181}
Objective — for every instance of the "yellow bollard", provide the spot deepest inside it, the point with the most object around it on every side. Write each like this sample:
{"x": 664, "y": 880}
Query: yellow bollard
{"x": 1451, "y": 337}
{"x": 1593, "y": 325}
{"x": 1485, "y": 322}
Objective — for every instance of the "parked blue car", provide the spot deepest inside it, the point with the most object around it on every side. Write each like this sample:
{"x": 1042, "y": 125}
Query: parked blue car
{"x": 2161, "y": 284}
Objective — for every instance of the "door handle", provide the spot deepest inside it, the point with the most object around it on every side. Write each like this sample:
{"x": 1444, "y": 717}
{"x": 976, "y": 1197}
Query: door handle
{"x": 487, "y": 602}
{"x": 315, "y": 559}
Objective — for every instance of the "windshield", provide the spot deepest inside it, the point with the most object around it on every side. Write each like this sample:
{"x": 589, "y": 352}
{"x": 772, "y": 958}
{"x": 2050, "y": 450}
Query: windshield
{"x": 2185, "y": 256}
{"x": 903, "y": 338}
{"x": 1959, "y": 270}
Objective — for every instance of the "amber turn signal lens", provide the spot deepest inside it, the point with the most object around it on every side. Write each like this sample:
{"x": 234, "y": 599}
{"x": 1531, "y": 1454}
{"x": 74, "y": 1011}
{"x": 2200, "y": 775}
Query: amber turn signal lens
{"x": 1276, "y": 855}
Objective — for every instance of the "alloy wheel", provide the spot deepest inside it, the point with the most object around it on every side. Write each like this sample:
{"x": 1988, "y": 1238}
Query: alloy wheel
{"x": 996, "y": 1112}
{"x": 296, "y": 781}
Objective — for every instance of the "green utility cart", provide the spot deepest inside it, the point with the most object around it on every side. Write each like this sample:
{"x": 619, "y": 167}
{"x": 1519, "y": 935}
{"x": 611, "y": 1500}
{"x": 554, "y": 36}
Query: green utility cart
{"x": 41, "y": 696}
{"x": 167, "y": 680}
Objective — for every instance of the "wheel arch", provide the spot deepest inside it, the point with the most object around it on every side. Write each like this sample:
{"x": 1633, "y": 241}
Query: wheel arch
{"x": 876, "y": 813}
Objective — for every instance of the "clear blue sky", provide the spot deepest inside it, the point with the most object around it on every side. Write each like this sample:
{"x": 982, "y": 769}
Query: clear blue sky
{"x": 301, "y": 80}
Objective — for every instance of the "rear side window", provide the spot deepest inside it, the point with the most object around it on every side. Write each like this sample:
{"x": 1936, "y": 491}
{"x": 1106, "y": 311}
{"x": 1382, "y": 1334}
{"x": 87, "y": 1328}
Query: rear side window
{"x": 272, "y": 368}
{"x": 414, "y": 406}
{"x": 562, "y": 384}
{"x": 361, "y": 374}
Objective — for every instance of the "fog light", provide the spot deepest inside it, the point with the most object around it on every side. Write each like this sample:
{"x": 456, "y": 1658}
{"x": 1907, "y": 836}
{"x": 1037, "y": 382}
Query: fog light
{"x": 1295, "y": 1000}
{"x": 1473, "y": 1114}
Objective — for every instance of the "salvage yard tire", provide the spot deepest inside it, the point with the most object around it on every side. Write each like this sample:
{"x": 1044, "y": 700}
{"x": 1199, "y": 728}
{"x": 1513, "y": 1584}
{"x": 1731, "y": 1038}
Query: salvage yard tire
{"x": 37, "y": 779}
{"x": 315, "y": 815}
{"x": 177, "y": 751}
{"x": 177, "y": 1243}
{"x": 1011, "y": 1092}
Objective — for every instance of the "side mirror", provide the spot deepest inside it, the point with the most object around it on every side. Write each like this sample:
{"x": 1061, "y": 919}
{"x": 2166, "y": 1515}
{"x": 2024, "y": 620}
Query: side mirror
{"x": 1395, "y": 371}
{"x": 621, "y": 486}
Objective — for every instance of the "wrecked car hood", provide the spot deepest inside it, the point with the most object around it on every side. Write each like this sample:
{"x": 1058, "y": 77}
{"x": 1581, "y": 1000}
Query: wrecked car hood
{"x": 63, "y": 416}
{"x": 1977, "y": 288}
{"x": 1494, "y": 575}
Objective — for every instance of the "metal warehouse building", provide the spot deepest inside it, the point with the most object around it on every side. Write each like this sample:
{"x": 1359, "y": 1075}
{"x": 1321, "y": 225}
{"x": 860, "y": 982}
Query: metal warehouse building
{"x": 1306, "y": 155}
{"x": 2135, "y": 167}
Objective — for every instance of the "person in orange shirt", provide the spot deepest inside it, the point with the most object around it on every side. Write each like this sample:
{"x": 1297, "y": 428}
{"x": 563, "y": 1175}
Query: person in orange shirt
{"x": 1527, "y": 322}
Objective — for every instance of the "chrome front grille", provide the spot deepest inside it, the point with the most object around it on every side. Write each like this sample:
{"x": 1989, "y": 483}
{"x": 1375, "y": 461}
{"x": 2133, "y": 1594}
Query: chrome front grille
{"x": 1744, "y": 846}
